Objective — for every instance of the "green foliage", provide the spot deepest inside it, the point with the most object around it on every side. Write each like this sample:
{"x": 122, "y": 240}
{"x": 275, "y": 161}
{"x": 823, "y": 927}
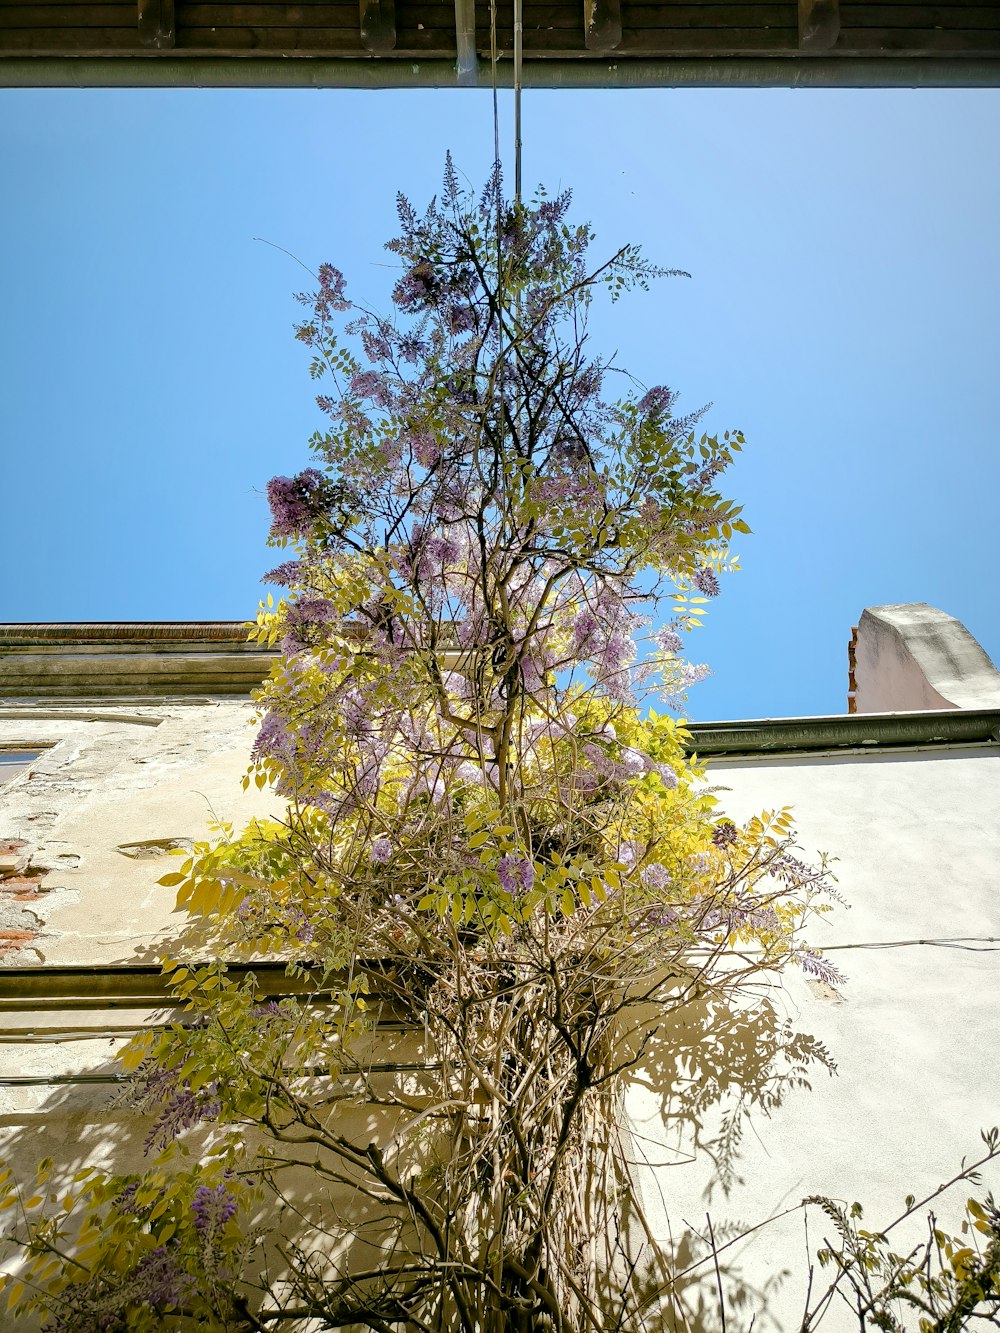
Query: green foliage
{"x": 939, "y": 1285}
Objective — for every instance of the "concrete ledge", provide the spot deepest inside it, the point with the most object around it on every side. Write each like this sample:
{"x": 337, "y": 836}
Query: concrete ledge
{"x": 123, "y": 661}
{"x": 786, "y": 735}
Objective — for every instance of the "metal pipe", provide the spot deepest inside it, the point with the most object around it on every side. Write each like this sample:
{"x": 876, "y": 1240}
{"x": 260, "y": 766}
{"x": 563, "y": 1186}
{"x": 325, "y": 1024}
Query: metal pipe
{"x": 518, "y": 56}
{"x": 466, "y": 64}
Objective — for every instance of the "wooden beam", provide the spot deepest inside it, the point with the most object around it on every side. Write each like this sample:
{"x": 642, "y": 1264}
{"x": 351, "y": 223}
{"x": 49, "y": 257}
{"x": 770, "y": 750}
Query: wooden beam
{"x": 819, "y": 24}
{"x": 156, "y": 24}
{"x": 602, "y": 24}
{"x": 378, "y": 24}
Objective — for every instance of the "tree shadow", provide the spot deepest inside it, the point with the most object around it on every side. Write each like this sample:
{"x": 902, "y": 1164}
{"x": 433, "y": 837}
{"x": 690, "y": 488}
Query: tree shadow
{"x": 702, "y": 1066}
{"x": 703, "y": 1069}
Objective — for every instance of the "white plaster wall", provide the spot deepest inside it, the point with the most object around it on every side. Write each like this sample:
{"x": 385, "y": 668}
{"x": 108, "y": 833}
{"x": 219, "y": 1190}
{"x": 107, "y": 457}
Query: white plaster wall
{"x": 915, "y": 1033}
{"x": 125, "y": 774}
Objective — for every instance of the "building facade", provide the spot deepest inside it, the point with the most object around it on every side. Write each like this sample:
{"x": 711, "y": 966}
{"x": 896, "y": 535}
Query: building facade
{"x": 122, "y": 743}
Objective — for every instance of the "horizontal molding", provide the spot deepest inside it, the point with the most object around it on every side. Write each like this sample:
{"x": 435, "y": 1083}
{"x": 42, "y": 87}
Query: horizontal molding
{"x": 149, "y": 70}
{"x": 847, "y": 731}
{"x": 154, "y": 659}
{"x": 103, "y": 632}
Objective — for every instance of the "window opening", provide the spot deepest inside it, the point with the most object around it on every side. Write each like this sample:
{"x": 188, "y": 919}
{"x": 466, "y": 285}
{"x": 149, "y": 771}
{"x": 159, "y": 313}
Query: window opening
{"x": 14, "y": 762}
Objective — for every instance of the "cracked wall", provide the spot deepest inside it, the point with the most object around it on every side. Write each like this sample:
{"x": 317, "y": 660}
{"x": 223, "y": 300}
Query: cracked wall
{"x": 91, "y": 822}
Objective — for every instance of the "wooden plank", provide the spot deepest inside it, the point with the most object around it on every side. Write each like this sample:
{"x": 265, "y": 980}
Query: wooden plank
{"x": 955, "y": 18}
{"x": 114, "y": 42}
{"x": 550, "y": 31}
{"x": 377, "y": 20}
{"x": 71, "y": 41}
{"x": 68, "y": 16}
{"x": 773, "y": 41}
{"x": 156, "y": 24}
{"x": 322, "y": 15}
{"x": 819, "y": 24}
{"x": 663, "y": 41}
{"x": 602, "y": 24}
{"x": 658, "y": 15}
{"x": 440, "y": 17}
{"x": 918, "y": 41}
{"x": 695, "y": 41}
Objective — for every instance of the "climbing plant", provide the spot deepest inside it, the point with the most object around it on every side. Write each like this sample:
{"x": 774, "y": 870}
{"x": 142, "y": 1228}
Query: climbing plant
{"x": 498, "y": 876}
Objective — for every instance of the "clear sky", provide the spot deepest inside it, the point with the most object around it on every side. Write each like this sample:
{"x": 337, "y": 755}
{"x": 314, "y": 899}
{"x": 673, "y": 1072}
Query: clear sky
{"x": 844, "y": 311}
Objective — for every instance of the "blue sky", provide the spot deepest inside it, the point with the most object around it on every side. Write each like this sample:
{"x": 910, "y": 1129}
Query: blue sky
{"x": 843, "y": 311}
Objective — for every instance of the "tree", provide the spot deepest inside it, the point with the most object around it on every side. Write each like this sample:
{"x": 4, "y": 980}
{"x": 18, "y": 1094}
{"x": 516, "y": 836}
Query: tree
{"x": 495, "y": 854}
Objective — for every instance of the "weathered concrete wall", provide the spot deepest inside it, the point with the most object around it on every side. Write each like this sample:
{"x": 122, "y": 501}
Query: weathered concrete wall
{"x": 913, "y": 1031}
{"x": 96, "y": 812}
{"x": 915, "y": 657}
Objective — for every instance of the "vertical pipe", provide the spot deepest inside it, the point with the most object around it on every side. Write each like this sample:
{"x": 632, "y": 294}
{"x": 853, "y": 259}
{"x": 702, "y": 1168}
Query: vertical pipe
{"x": 518, "y": 41}
{"x": 465, "y": 43}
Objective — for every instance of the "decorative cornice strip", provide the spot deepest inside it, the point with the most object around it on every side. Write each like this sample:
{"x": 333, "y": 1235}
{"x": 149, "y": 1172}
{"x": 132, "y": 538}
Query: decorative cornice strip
{"x": 846, "y": 731}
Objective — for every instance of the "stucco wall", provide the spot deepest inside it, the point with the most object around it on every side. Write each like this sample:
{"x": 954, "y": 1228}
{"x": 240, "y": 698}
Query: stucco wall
{"x": 914, "y": 1031}
{"x": 116, "y": 778}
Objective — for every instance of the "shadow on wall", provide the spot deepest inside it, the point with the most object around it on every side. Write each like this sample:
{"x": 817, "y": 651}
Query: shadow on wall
{"x": 716, "y": 1064}
{"x": 723, "y": 1064}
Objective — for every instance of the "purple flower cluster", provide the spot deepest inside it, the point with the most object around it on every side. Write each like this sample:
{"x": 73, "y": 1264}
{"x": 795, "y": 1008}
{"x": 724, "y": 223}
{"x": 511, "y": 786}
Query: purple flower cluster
{"x": 160, "y": 1281}
{"x": 274, "y": 740}
{"x": 425, "y": 448}
{"x": 656, "y": 876}
{"x": 724, "y": 834}
{"x": 125, "y": 1202}
{"x": 416, "y": 288}
{"x": 381, "y": 851}
{"x": 372, "y": 385}
{"x": 286, "y": 574}
{"x": 658, "y": 401}
{"x": 300, "y": 925}
{"x": 305, "y": 622}
{"x": 603, "y": 637}
{"x": 668, "y": 640}
{"x": 108, "y": 1301}
{"x": 180, "y": 1107}
{"x": 705, "y": 580}
{"x": 294, "y": 502}
{"x": 688, "y": 674}
{"x": 311, "y": 611}
{"x": 815, "y": 965}
{"x": 212, "y": 1209}
{"x": 516, "y": 874}
{"x": 793, "y": 872}
{"x": 376, "y": 343}
{"x": 331, "y": 291}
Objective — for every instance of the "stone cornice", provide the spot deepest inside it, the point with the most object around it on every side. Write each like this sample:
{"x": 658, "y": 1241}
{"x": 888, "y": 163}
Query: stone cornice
{"x": 845, "y": 731}
{"x": 113, "y": 660}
